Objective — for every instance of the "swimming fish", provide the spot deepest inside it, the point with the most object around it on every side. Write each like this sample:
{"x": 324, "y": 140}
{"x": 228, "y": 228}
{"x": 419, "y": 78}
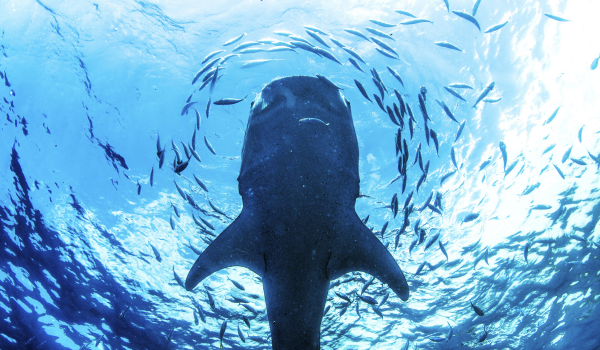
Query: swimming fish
{"x": 317, "y": 38}
{"x": 484, "y": 93}
{"x": 316, "y": 30}
{"x": 337, "y": 42}
{"x": 355, "y": 64}
{"x": 384, "y": 45}
{"x": 353, "y": 53}
{"x": 382, "y": 24}
{"x": 406, "y": 13}
{"x": 234, "y": 40}
{"x": 245, "y": 45}
{"x": 476, "y": 7}
{"x": 477, "y": 310}
{"x": 566, "y": 154}
{"x": 379, "y": 33}
{"x": 447, "y": 5}
{"x": 254, "y": 63}
{"x": 415, "y": 21}
{"x": 362, "y": 90}
{"x": 594, "y": 63}
{"x": 447, "y": 111}
{"x": 211, "y": 55}
{"x": 496, "y": 27}
{"x": 551, "y": 118}
{"x": 443, "y": 249}
{"x": 559, "y": 171}
{"x": 460, "y": 129}
{"x": 209, "y": 146}
{"x": 397, "y": 76}
{"x": 468, "y": 17}
{"x": 556, "y": 18}
{"x": 156, "y": 253}
{"x": 447, "y": 45}
{"x": 454, "y": 93}
{"x": 460, "y": 86}
{"x": 502, "y": 146}
{"x": 470, "y": 217}
{"x": 357, "y": 33}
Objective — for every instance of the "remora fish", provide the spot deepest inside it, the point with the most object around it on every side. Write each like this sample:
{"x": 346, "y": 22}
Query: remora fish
{"x": 485, "y": 92}
{"x": 299, "y": 274}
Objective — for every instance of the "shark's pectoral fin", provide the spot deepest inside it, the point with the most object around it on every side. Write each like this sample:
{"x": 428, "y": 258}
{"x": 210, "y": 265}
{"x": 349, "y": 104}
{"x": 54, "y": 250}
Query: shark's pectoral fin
{"x": 357, "y": 249}
{"x": 238, "y": 245}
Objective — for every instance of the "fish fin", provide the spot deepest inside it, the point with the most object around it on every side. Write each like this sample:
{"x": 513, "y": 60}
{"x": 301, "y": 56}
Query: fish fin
{"x": 238, "y": 245}
{"x": 359, "y": 250}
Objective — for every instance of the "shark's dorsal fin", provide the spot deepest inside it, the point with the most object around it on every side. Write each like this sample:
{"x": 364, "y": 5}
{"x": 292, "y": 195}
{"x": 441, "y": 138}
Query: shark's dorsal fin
{"x": 359, "y": 250}
{"x": 238, "y": 245}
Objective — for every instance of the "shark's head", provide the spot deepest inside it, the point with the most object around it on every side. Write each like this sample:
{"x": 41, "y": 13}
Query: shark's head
{"x": 300, "y": 130}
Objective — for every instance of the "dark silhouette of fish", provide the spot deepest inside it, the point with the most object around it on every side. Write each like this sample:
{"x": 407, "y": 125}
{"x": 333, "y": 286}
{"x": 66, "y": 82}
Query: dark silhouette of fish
{"x": 298, "y": 228}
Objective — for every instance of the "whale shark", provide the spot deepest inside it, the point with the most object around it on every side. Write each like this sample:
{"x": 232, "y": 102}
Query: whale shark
{"x": 298, "y": 228}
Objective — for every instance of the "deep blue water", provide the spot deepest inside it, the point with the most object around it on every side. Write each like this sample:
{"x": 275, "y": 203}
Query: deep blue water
{"x": 87, "y": 87}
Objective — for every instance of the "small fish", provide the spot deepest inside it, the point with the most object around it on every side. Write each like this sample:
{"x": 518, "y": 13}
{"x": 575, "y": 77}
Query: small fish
{"x": 156, "y": 253}
{"x": 211, "y": 55}
{"x": 460, "y": 86}
{"x": 420, "y": 268}
{"x": 580, "y": 133}
{"x": 357, "y": 33}
{"x": 492, "y": 100}
{"x": 178, "y": 279}
{"x": 362, "y": 90}
{"x": 447, "y": 111}
{"x": 433, "y": 135}
{"x": 228, "y": 101}
{"x": 397, "y": 76}
{"x": 366, "y": 285}
{"x": 367, "y": 299}
{"x": 386, "y": 54}
{"x": 195, "y": 154}
{"x": 316, "y": 30}
{"x": 406, "y": 13}
{"x": 578, "y": 161}
{"x": 511, "y": 167}
{"x": 237, "y": 284}
{"x": 477, "y": 310}
{"x": 431, "y": 240}
{"x": 594, "y": 63}
{"x": 282, "y": 33}
{"x": 460, "y": 130}
{"x": 470, "y": 217}
{"x": 385, "y": 225}
{"x": 343, "y": 296}
{"x": 468, "y": 17}
{"x": 254, "y": 63}
{"x": 552, "y": 116}
{"x": 313, "y": 121}
{"x": 445, "y": 177}
{"x": 317, "y": 38}
{"x": 337, "y": 42}
{"x": 200, "y": 183}
{"x": 379, "y": 33}
{"x": 485, "y": 92}
{"x": 496, "y": 27}
{"x": 208, "y": 107}
{"x": 526, "y": 251}
{"x": 382, "y": 24}
{"x": 556, "y": 18}
{"x": 246, "y": 321}
{"x": 384, "y": 46}
{"x": 447, "y": 45}
{"x": 234, "y": 40}
{"x": 222, "y": 332}
{"x": 377, "y": 311}
{"x": 139, "y": 188}
{"x": 355, "y": 64}
{"x": 454, "y": 93}
{"x": 209, "y": 146}
{"x": 172, "y": 221}
{"x": 559, "y": 171}
{"x": 502, "y": 146}
{"x": 245, "y": 45}
{"x": 566, "y": 154}
{"x": 550, "y": 148}
{"x": 187, "y": 107}
{"x": 476, "y": 7}
{"x": 353, "y": 53}
{"x": 447, "y": 5}
{"x": 530, "y": 189}
{"x": 443, "y": 249}
{"x": 181, "y": 167}
{"x": 415, "y": 21}
{"x": 484, "y": 164}
{"x": 281, "y": 48}
{"x": 483, "y": 336}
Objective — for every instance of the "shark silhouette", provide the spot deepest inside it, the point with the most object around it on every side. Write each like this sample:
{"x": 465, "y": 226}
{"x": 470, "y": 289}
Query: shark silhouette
{"x": 298, "y": 228}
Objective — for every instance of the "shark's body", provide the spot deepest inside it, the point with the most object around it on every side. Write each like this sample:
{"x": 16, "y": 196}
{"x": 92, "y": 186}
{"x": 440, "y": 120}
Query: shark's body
{"x": 298, "y": 228}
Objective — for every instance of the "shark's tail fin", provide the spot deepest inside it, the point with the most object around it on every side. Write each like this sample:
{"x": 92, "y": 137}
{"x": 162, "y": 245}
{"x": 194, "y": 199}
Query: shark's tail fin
{"x": 359, "y": 250}
{"x": 236, "y": 246}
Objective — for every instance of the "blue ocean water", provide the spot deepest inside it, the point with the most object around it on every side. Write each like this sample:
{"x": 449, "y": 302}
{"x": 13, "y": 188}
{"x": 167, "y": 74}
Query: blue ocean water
{"x": 88, "y": 87}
